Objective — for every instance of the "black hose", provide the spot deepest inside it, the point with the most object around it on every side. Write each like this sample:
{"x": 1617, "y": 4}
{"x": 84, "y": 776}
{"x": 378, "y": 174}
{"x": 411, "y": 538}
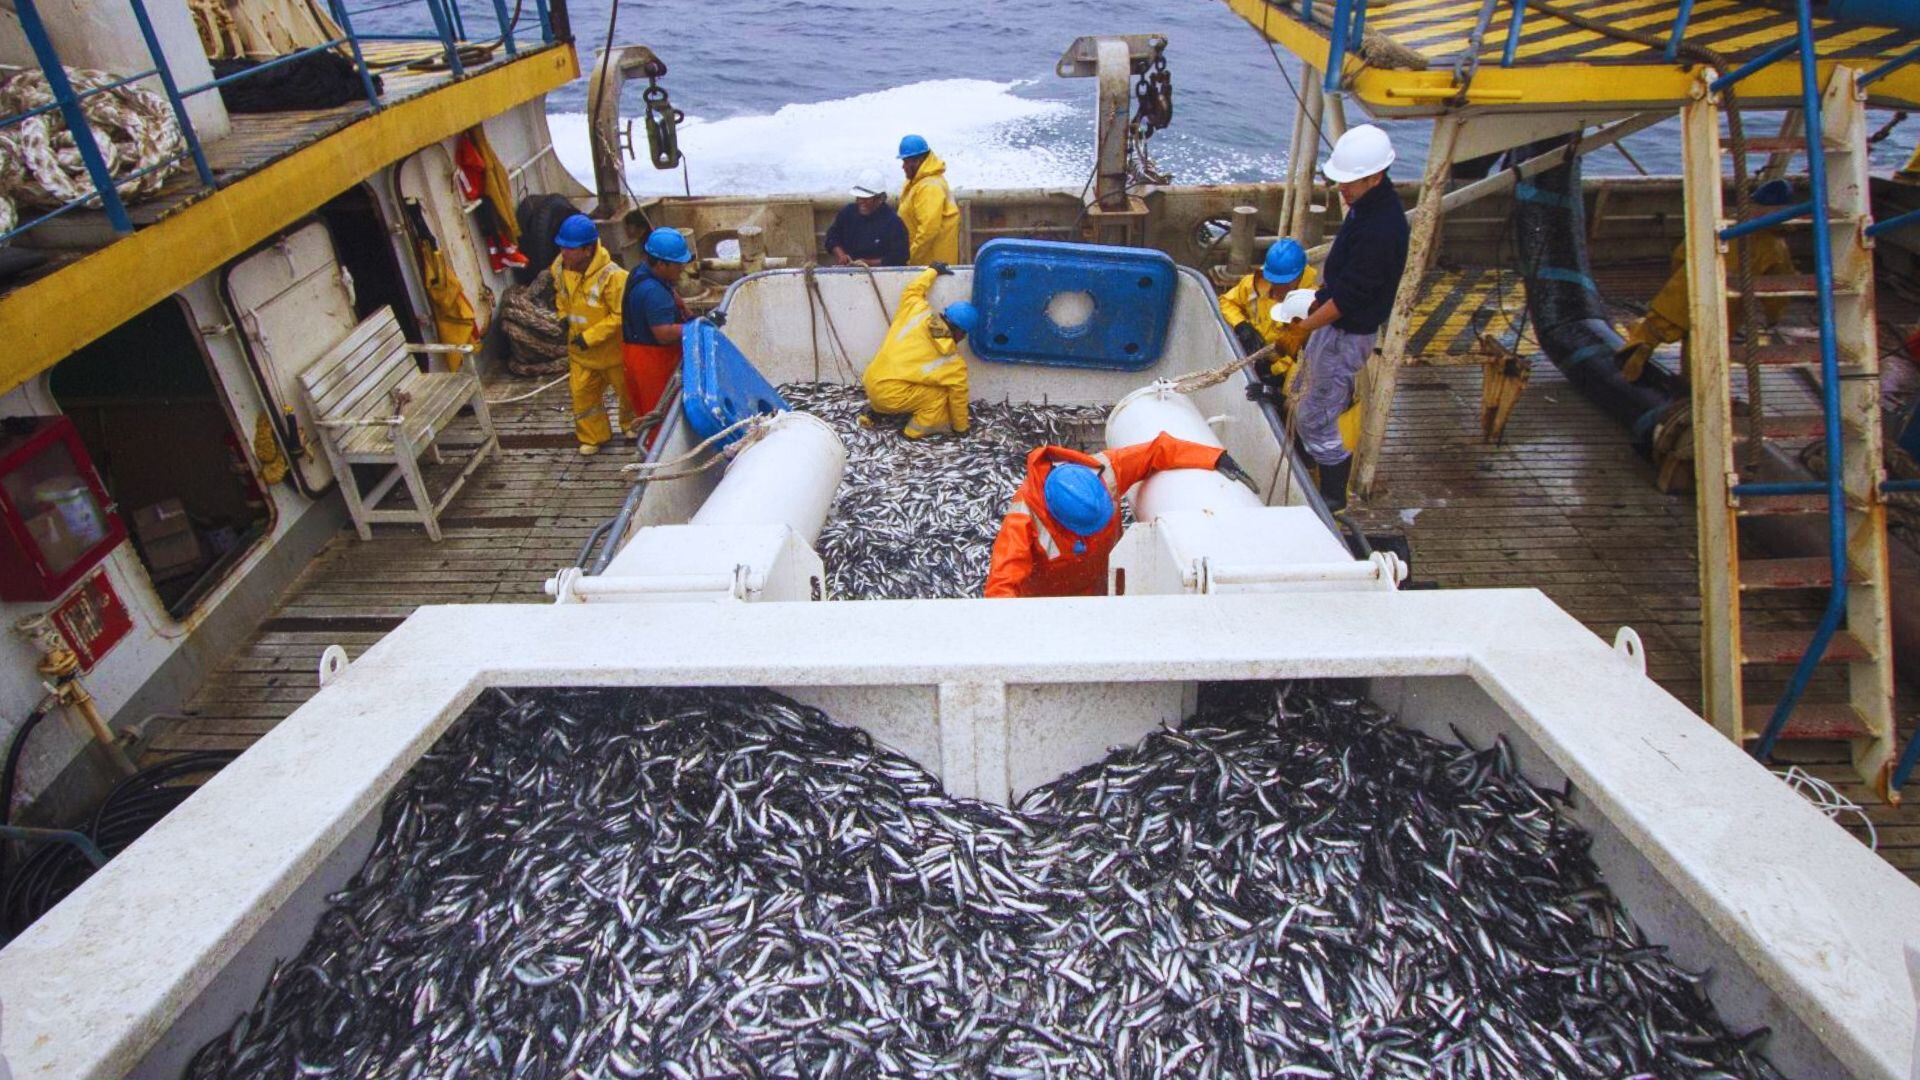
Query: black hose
{"x": 1570, "y": 318}
{"x": 135, "y": 804}
{"x": 10, "y": 777}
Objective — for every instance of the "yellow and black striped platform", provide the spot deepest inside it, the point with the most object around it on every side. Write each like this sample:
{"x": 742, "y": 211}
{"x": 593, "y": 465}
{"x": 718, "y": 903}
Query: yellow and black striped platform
{"x": 1560, "y": 64}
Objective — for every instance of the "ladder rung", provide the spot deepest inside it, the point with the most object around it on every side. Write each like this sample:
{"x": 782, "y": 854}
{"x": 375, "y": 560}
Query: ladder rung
{"x": 1780, "y": 285}
{"x": 1782, "y": 353}
{"x": 1813, "y": 572}
{"x": 1770, "y": 144}
{"x": 1793, "y": 426}
{"x": 1788, "y": 646}
{"x": 1781, "y": 505}
{"x": 1811, "y": 723}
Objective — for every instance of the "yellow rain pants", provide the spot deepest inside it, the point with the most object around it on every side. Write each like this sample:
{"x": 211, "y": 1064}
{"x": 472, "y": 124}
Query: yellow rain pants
{"x": 589, "y": 304}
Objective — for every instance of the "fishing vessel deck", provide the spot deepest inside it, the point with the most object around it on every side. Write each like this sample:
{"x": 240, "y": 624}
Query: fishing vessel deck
{"x": 270, "y": 171}
{"x": 1562, "y": 503}
{"x": 1559, "y": 63}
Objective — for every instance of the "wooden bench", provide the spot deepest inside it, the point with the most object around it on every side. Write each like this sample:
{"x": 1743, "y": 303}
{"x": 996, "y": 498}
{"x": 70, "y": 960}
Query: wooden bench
{"x": 373, "y": 406}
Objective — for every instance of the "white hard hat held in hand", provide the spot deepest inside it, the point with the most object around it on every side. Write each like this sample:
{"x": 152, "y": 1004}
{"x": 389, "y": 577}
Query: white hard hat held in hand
{"x": 1360, "y": 153}
{"x": 1295, "y": 305}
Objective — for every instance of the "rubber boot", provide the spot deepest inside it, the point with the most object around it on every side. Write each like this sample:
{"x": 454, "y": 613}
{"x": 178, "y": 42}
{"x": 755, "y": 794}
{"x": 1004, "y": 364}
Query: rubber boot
{"x": 1333, "y": 484}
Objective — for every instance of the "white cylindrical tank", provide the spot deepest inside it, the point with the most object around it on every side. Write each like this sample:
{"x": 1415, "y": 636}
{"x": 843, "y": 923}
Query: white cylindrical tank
{"x": 788, "y": 476}
{"x": 1147, "y": 412}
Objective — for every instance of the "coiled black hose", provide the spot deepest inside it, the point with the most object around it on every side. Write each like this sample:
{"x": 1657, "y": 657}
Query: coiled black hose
{"x": 136, "y": 804}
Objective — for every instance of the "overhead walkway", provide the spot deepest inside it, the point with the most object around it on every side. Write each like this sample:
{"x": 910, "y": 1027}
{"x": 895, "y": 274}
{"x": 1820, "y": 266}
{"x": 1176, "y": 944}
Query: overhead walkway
{"x": 1417, "y": 57}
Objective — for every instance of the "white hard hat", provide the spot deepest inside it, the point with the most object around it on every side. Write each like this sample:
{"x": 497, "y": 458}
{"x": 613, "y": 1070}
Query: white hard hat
{"x": 869, "y": 185}
{"x": 1360, "y": 153}
{"x": 1297, "y": 304}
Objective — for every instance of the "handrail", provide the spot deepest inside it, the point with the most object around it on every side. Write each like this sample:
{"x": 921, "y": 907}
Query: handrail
{"x": 450, "y": 32}
{"x": 1348, "y": 29}
{"x": 1829, "y": 388}
{"x": 1680, "y": 20}
{"x": 1513, "y": 33}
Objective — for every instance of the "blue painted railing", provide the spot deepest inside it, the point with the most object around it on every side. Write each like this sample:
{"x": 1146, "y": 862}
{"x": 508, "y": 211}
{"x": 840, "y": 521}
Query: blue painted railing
{"x": 449, "y": 29}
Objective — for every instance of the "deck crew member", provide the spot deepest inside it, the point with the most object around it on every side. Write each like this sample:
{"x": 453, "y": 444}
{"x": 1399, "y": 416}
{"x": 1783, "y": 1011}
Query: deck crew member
{"x": 653, "y": 321}
{"x": 1667, "y": 318}
{"x": 1248, "y": 306}
{"x": 1360, "y": 278}
{"x": 919, "y": 369}
{"x": 1063, "y": 521}
{"x": 866, "y": 230}
{"x": 588, "y": 289}
{"x": 927, "y": 207}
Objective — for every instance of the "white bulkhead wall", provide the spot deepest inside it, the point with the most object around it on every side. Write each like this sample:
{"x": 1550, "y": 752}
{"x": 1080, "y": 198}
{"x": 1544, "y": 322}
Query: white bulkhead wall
{"x": 102, "y": 34}
{"x": 155, "y": 635}
{"x": 521, "y": 140}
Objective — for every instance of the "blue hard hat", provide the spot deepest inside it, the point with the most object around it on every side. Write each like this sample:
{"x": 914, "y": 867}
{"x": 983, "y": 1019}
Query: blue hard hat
{"x": 1773, "y": 193}
{"x": 1286, "y": 261}
{"x": 667, "y": 245}
{"x": 577, "y": 231}
{"x": 1077, "y": 499}
{"x": 962, "y": 316}
{"x": 913, "y": 146}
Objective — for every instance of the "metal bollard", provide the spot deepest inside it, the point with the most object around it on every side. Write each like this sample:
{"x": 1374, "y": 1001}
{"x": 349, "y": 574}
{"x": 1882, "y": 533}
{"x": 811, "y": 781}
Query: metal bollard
{"x": 1240, "y": 241}
{"x": 753, "y": 249}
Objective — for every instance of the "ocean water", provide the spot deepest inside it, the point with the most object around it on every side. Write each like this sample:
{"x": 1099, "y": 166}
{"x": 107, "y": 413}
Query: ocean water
{"x": 789, "y": 96}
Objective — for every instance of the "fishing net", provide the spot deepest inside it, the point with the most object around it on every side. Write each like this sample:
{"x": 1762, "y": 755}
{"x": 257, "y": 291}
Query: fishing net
{"x": 725, "y": 883}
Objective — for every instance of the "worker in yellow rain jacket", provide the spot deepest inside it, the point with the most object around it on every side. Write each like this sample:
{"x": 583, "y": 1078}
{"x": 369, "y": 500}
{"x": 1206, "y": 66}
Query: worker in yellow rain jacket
{"x": 927, "y": 206}
{"x": 587, "y": 290}
{"x": 1248, "y": 307}
{"x": 919, "y": 369}
{"x": 1667, "y": 318}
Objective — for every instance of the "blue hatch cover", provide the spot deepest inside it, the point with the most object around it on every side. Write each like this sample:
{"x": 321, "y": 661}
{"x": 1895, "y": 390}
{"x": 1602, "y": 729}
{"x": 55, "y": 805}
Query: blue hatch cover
{"x": 1115, "y": 304}
{"x": 719, "y": 386}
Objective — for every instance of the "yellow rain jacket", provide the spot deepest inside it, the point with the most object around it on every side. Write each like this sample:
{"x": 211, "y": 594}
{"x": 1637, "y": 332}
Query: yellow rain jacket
{"x": 931, "y": 215}
{"x": 590, "y": 304}
{"x": 919, "y": 369}
{"x": 453, "y": 314}
{"x": 1252, "y": 301}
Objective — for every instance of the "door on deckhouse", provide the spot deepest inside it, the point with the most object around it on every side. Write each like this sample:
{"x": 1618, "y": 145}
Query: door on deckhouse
{"x": 145, "y": 402}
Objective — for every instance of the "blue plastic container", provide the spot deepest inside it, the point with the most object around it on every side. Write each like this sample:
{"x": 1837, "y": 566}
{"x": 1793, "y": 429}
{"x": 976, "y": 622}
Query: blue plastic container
{"x": 1131, "y": 292}
{"x": 719, "y": 386}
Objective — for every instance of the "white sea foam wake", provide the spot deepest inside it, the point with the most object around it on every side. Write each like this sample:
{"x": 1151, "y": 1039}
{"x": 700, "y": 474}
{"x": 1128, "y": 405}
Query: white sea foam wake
{"x": 989, "y": 136}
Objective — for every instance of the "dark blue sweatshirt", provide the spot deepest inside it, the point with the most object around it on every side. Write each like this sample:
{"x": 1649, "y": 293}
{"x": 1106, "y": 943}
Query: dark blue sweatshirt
{"x": 1369, "y": 254}
{"x": 880, "y": 235}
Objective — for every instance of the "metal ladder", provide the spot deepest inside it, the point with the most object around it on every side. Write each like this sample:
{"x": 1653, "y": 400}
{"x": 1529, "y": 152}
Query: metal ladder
{"x": 1854, "y": 630}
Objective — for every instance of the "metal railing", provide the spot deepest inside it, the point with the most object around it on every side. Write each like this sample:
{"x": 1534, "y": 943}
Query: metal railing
{"x": 450, "y": 30}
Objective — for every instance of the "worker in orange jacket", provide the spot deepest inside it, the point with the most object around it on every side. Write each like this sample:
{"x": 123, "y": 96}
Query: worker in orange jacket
{"x": 1063, "y": 522}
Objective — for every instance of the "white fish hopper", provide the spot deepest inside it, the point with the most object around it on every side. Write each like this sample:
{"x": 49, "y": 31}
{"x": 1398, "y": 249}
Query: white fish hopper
{"x": 826, "y": 332}
{"x": 1804, "y": 929}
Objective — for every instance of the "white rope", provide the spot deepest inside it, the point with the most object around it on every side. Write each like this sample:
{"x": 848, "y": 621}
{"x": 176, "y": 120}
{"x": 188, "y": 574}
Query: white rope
{"x": 660, "y": 470}
{"x": 1196, "y": 381}
{"x": 1827, "y": 799}
{"x": 535, "y": 392}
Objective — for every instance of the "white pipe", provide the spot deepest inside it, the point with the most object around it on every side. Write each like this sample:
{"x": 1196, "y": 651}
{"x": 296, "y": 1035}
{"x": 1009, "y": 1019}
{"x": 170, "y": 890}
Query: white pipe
{"x": 789, "y": 476}
{"x": 1150, "y": 411}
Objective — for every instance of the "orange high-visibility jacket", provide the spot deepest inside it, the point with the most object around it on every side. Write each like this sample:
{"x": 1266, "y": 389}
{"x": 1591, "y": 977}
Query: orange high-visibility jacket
{"x": 1034, "y": 555}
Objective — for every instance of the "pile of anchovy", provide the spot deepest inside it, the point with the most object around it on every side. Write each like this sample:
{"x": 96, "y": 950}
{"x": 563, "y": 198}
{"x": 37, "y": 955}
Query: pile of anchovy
{"x": 695, "y": 883}
{"x": 916, "y": 518}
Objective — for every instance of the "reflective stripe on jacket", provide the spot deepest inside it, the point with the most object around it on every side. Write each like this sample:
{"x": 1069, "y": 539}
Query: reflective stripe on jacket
{"x": 1035, "y": 556}
{"x": 590, "y": 304}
